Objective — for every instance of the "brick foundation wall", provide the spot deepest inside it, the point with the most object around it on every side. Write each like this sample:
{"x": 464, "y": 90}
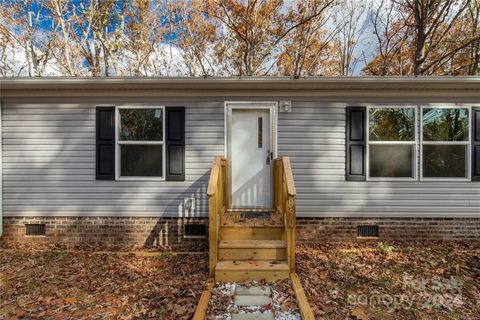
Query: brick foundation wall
{"x": 340, "y": 229}
{"x": 107, "y": 232}
{"x": 168, "y": 233}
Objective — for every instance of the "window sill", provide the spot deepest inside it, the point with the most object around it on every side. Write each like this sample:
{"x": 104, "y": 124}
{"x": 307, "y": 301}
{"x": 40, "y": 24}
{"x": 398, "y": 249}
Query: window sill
{"x": 392, "y": 179}
{"x": 445, "y": 180}
{"x": 420, "y": 180}
{"x": 140, "y": 179}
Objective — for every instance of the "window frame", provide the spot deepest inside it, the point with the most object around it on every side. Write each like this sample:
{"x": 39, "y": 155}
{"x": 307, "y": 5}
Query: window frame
{"x": 467, "y": 143}
{"x": 414, "y": 143}
{"x": 119, "y": 142}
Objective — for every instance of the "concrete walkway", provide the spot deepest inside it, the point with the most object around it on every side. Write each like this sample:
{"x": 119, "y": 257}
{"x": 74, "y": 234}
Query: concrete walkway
{"x": 256, "y": 297}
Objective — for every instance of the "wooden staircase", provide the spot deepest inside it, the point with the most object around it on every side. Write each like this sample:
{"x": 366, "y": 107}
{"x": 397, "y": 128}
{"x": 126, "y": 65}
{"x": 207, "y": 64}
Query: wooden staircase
{"x": 251, "y": 248}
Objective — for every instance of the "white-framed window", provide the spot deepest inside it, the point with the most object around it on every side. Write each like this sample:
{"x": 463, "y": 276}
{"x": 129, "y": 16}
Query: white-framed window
{"x": 445, "y": 143}
{"x": 140, "y": 142}
{"x": 392, "y": 143}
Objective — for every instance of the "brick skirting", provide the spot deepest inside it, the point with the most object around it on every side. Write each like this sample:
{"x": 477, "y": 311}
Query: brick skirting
{"x": 119, "y": 232}
{"x": 340, "y": 229}
{"x": 106, "y": 232}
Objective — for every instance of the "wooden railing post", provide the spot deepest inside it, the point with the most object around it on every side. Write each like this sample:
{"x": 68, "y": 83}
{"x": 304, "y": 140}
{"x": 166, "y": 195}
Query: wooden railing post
{"x": 277, "y": 184}
{"x": 212, "y": 235}
{"x": 224, "y": 168}
{"x": 291, "y": 231}
{"x": 285, "y": 203}
{"x": 216, "y": 207}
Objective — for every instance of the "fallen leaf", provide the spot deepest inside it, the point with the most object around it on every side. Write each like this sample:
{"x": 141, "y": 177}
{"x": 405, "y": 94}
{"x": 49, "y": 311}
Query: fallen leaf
{"x": 71, "y": 300}
{"x": 359, "y": 313}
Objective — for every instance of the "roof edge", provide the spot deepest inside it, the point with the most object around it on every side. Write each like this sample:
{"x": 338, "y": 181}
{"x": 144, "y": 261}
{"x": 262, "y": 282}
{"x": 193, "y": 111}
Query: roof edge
{"x": 212, "y": 86}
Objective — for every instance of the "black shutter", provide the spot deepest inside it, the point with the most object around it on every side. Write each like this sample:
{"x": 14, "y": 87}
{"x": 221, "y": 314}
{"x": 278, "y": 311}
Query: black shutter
{"x": 356, "y": 144}
{"x": 476, "y": 144}
{"x": 175, "y": 143}
{"x": 105, "y": 144}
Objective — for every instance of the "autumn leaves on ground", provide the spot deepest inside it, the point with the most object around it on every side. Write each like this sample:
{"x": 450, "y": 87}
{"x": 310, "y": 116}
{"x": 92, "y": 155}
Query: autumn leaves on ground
{"x": 397, "y": 280}
{"x": 76, "y": 285}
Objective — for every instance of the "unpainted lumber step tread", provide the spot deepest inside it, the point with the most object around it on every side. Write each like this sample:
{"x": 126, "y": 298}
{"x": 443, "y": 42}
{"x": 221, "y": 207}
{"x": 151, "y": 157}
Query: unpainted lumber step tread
{"x": 252, "y": 244}
{"x": 230, "y": 265}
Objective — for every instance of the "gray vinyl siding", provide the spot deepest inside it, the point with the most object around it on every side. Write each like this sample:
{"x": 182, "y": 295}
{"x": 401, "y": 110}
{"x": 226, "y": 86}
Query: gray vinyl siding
{"x": 49, "y": 164}
{"x": 49, "y": 167}
{"x": 313, "y": 135}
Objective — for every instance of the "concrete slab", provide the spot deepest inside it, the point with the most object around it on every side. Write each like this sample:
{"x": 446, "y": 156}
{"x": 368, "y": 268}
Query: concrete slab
{"x": 253, "y": 291}
{"x": 246, "y": 300}
{"x": 253, "y": 316}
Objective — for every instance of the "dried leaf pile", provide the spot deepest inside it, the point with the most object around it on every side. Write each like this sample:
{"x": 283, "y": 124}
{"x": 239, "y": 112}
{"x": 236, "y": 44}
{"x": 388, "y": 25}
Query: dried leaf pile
{"x": 88, "y": 285}
{"x": 394, "y": 280}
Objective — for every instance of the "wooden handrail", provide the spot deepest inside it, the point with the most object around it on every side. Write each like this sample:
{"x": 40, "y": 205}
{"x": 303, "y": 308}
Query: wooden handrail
{"x": 285, "y": 204}
{"x": 287, "y": 169}
{"x": 217, "y": 203}
{"x": 212, "y": 182}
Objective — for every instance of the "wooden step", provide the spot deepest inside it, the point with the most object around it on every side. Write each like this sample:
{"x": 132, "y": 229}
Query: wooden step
{"x": 229, "y": 271}
{"x": 252, "y": 233}
{"x": 252, "y": 250}
{"x": 252, "y": 244}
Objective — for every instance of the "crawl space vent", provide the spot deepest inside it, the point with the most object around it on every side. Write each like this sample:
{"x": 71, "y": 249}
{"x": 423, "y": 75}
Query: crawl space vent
{"x": 195, "y": 230}
{"x": 367, "y": 231}
{"x": 35, "y": 229}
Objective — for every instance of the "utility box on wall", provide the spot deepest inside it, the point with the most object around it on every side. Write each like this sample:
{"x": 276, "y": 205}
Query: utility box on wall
{"x": 285, "y": 106}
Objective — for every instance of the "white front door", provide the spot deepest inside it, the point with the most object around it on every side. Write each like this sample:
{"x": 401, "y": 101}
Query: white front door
{"x": 250, "y": 152}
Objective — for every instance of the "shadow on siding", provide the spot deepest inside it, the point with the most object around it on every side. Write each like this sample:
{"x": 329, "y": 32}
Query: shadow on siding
{"x": 169, "y": 232}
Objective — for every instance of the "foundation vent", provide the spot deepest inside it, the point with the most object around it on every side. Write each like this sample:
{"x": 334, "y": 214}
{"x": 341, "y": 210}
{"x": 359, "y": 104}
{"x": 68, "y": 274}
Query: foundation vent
{"x": 367, "y": 231}
{"x": 35, "y": 229}
{"x": 195, "y": 230}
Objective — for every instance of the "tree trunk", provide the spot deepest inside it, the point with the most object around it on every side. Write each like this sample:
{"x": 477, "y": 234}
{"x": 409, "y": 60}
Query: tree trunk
{"x": 66, "y": 44}
{"x": 420, "y": 25}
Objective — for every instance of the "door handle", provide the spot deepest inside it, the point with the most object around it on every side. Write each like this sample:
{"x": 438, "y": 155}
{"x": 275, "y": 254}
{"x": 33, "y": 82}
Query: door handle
{"x": 269, "y": 155}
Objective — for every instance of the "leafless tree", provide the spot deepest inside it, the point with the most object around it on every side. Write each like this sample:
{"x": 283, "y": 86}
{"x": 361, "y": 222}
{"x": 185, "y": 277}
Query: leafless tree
{"x": 350, "y": 22}
{"x": 21, "y": 28}
{"x": 143, "y": 33}
{"x": 61, "y": 19}
{"x": 196, "y": 37}
{"x": 467, "y": 60}
{"x": 430, "y": 23}
{"x": 390, "y": 33}
{"x": 307, "y": 48}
